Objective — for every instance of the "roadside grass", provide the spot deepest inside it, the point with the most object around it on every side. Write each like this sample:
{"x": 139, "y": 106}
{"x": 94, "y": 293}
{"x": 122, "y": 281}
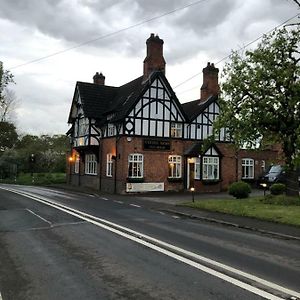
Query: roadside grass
{"x": 279, "y": 209}
{"x": 36, "y": 179}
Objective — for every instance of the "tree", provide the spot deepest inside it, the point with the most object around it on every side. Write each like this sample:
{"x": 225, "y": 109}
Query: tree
{"x": 7, "y": 97}
{"x": 261, "y": 94}
{"x": 8, "y": 136}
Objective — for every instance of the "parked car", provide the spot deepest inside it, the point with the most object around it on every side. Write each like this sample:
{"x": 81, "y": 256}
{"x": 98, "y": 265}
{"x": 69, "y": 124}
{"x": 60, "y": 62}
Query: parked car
{"x": 276, "y": 174}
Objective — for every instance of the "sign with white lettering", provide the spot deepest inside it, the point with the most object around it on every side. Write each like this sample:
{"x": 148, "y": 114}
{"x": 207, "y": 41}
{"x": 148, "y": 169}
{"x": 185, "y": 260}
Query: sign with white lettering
{"x": 145, "y": 187}
{"x": 151, "y": 144}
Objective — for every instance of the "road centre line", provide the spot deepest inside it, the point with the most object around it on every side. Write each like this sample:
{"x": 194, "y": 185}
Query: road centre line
{"x": 170, "y": 250}
{"x": 120, "y": 202}
{"x": 134, "y": 205}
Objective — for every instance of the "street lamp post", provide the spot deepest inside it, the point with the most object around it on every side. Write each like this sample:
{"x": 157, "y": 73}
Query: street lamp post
{"x": 193, "y": 193}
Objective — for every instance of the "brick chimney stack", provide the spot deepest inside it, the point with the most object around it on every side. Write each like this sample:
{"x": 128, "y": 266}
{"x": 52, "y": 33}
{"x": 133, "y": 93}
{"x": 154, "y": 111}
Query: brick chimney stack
{"x": 210, "y": 86}
{"x": 99, "y": 78}
{"x": 154, "y": 60}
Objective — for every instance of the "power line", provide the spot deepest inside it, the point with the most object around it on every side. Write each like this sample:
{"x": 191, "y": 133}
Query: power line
{"x": 109, "y": 34}
{"x": 247, "y": 45}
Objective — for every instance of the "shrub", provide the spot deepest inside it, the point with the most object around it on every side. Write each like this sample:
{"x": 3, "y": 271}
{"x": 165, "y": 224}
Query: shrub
{"x": 277, "y": 188}
{"x": 239, "y": 189}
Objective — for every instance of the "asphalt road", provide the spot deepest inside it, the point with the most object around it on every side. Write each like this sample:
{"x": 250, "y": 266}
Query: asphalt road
{"x": 49, "y": 249}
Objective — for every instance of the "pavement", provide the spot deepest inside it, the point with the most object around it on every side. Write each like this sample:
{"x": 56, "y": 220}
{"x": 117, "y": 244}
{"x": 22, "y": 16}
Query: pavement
{"x": 169, "y": 202}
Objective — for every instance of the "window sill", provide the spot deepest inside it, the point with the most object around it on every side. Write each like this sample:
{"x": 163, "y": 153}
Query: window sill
{"x": 171, "y": 179}
{"x": 211, "y": 181}
{"x": 135, "y": 180}
{"x": 90, "y": 174}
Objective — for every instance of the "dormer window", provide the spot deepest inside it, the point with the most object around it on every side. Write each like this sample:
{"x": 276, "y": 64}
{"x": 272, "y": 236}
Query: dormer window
{"x": 176, "y": 130}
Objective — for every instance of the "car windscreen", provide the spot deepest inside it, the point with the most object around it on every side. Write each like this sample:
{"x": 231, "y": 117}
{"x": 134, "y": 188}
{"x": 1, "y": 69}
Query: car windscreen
{"x": 275, "y": 169}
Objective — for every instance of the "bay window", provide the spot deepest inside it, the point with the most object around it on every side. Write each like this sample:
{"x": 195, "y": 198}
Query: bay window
{"x": 210, "y": 168}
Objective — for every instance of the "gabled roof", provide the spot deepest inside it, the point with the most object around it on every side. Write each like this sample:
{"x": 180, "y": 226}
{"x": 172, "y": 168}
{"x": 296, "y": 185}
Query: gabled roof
{"x": 98, "y": 101}
{"x": 200, "y": 148}
{"x": 95, "y": 97}
{"x": 196, "y": 107}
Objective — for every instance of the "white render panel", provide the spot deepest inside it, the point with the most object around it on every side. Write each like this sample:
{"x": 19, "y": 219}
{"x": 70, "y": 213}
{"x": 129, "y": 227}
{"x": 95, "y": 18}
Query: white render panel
{"x": 159, "y": 128}
{"x": 152, "y": 128}
{"x": 146, "y": 93}
{"x": 138, "y": 126}
{"x": 153, "y": 92}
{"x": 94, "y": 141}
{"x": 145, "y": 127}
{"x": 193, "y": 131}
{"x": 159, "y": 84}
{"x": 167, "y": 129}
{"x": 146, "y": 109}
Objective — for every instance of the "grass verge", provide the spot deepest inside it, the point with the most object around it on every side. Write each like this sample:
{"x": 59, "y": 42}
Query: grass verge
{"x": 255, "y": 207}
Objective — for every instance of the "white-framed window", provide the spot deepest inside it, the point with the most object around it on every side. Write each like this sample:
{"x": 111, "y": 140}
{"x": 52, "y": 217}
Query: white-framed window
{"x": 210, "y": 168}
{"x": 197, "y": 171}
{"x": 135, "y": 165}
{"x": 109, "y": 165}
{"x": 111, "y": 130}
{"x": 90, "y": 164}
{"x": 174, "y": 166}
{"x": 247, "y": 168}
{"x": 176, "y": 129}
{"x": 76, "y": 165}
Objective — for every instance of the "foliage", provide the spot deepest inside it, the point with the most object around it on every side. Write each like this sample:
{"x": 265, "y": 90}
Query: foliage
{"x": 277, "y": 188}
{"x": 239, "y": 189}
{"x": 7, "y": 97}
{"x": 261, "y": 93}
{"x": 281, "y": 200}
{"x": 8, "y": 136}
{"x": 36, "y": 179}
{"x": 49, "y": 155}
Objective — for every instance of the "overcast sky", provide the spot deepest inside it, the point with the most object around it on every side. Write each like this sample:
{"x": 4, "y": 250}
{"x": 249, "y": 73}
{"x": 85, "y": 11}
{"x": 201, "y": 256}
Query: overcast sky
{"x": 31, "y": 29}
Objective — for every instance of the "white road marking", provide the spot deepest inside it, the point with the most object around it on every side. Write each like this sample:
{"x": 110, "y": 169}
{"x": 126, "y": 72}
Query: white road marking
{"x": 103, "y": 198}
{"x": 176, "y": 254}
{"x": 39, "y": 216}
{"x": 120, "y": 202}
{"x": 175, "y": 217}
{"x": 162, "y": 213}
{"x": 135, "y": 205}
{"x": 0, "y": 296}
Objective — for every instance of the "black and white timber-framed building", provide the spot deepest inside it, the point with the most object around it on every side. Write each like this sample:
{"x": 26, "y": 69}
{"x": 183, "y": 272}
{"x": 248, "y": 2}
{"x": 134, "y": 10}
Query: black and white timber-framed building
{"x": 138, "y": 137}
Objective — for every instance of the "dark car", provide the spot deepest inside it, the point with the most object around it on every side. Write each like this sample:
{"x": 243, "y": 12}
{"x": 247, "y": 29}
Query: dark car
{"x": 275, "y": 174}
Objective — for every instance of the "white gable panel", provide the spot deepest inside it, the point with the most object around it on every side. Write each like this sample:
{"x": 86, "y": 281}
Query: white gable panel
{"x": 160, "y": 112}
{"x": 146, "y": 93}
{"x": 138, "y": 126}
{"x": 153, "y": 92}
{"x": 167, "y": 129}
{"x": 146, "y": 109}
{"x": 94, "y": 141}
{"x": 159, "y": 84}
{"x": 160, "y": 94}
{"x": 193, "y": 131}
{"x": 145, "y": 127}
{"x": 159, "y": 128}
{"x": 186, "y": 131}
{"x": 152, "y": 128}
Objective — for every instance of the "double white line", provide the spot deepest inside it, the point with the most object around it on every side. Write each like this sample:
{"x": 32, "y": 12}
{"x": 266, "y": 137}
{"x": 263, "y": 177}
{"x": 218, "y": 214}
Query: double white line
{"x": 266, "y": 289}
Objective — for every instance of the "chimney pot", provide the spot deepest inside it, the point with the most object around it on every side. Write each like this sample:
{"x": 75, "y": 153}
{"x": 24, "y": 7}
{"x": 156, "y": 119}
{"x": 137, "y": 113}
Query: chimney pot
{"x": 99, "y": 79}
{"x": 210, "y": 86}
{"x": 154, "y": 60}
